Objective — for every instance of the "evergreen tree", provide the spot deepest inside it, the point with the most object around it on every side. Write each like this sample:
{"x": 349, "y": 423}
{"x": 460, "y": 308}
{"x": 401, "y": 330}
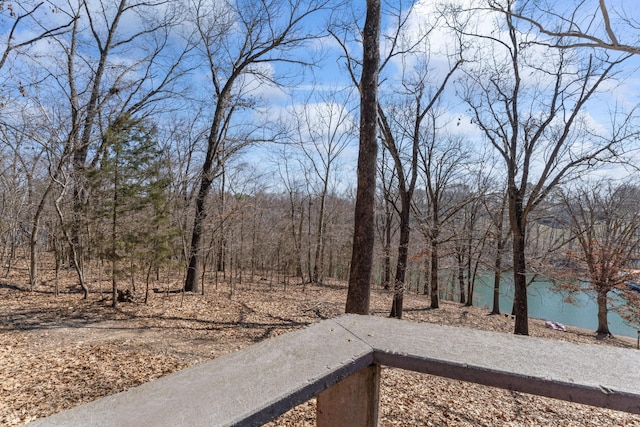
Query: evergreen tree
{"x": 130, "y": 216}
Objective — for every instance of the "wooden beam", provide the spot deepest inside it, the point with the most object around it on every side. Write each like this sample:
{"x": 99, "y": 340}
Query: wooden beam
{"x": 351, "y": 402}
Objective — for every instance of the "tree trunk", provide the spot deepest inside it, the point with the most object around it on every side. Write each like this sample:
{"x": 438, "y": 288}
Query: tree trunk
{"x": 387, "y": 250}
{"x": 427, "y": 275}
{"x": 318, "y": 265}
{"x": 434, "y": 275}
{"x": 520, "y": 307}
{"x": 358, "y": 294}
{"x": 147, "y": 280}
{"x": 214, "y": 148}
{"x": 497, "y": 266}
{"x": 222, "y": 242}
{"x": 253, "y": 244}
{"x": 461, "y": 283}
{"x": 114, "y": 235}
{"x": 298, "y": 240}
{"x": 221, "y": 253}
{"x": 331, "y": 269}
{"x": 192, "y": 283}
{"x": 132, "y": 269}
{"x": 33, "y": 240}
{"x": 72, "y": 247}
{"x": 58, "y": 259}
{"x": 401, "y": 266}
{"x": 309, "y": 265}
{"x": 497, "y": 277}
{"x": 240, "y": 254}
{"x": 471, "y": 274}
{"x": 603, "y": 311}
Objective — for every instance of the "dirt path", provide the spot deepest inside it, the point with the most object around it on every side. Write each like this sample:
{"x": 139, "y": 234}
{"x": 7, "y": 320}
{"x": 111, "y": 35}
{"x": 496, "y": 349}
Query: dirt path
{"x": 56, "y": 353}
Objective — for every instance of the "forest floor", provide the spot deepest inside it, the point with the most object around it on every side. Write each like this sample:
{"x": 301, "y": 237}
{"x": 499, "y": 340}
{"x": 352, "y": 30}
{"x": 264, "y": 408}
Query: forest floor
{"x": 58, "y": 352}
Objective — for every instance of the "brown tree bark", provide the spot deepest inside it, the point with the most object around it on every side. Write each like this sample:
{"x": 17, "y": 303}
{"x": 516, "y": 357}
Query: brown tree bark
{"x": 405, "y": 192}
{"x": 401, "y": 267}
{"x": 603, "y": 312}
{"x": 387, "y": 247}
{"x": 358, "y": 295}
{"x": 501, "y": 242}
{"x": 461, "y": 284}
{"x": 520, "y": 301}
{"x": 433, "y": 280}
{"x": 258, "y": 46}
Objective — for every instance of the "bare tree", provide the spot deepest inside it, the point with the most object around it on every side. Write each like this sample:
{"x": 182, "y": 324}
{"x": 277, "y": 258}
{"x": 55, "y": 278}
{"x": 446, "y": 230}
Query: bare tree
{"x": 182, "y": 136}
{"x": 358, "y": 294}
{"x": 415, "y": 133}
{"x": 597, "y": 24}
{"x": 324, "y": 129}
{"x": 403, "y": 123}
{"x": 28, "y": 24}
{"x": 442, "y": 161}
{"x": 296, "y": 204}
{"x": 237, "y": 41}
{"x": 535, "y": 124}
{"x": 100, "y": 71}
{"x": 19, "y": 171}
{"x": 471, "y": 230}
{"x": 604, "y": 220}
{"x": 386, "y": 212}
{"x": 25, "y": 18}
{"x": 495, "y": 206}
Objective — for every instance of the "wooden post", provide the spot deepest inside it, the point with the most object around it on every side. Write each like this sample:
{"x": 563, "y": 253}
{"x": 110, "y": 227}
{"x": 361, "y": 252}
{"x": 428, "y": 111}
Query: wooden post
{"x": 351, "y": 402}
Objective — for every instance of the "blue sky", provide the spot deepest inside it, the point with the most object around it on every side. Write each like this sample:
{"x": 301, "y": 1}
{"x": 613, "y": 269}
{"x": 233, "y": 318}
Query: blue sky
{"x": 330, "y": 74}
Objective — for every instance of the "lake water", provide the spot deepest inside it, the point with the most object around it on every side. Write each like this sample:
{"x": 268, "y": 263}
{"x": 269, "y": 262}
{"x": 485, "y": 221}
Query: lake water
{"x": 547, "y": 304}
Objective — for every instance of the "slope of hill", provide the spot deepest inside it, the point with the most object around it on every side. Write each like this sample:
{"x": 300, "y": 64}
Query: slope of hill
{"x": 58, "y": 352}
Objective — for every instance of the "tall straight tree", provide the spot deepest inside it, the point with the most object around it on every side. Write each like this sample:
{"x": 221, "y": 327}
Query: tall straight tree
{"x": 495, "y": 205}
{"x": 358, "y": 294}
{"x": 530, "y": 112}
{"x": 240, "y": 42}
{"x": 387, "y": 202}
{"x": 402, "y": 123}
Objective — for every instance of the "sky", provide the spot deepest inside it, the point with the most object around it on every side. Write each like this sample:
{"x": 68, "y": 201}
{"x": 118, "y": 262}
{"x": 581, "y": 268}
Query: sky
{"x": 311, "y": 91}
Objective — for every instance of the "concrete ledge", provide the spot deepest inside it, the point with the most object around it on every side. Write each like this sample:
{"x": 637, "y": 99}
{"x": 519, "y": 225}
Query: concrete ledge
{"x": 595, "y": 375}
{"x": 255, "y": 385}
{"x": 248, "y": 387}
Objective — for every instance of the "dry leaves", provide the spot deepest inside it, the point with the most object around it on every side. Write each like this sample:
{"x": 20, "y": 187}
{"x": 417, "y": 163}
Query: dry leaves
{"x": 56, "y": 353}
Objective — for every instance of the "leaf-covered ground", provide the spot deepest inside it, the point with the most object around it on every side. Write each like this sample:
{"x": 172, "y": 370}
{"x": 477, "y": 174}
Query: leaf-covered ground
{"x": 58, "y": 352}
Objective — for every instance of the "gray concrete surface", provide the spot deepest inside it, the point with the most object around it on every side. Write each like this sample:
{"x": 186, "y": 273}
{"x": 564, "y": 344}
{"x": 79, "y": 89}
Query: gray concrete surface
{"x": 258, "y": 383}
{"x": 585, "y": 373}
{"x": 245, "y": 388}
